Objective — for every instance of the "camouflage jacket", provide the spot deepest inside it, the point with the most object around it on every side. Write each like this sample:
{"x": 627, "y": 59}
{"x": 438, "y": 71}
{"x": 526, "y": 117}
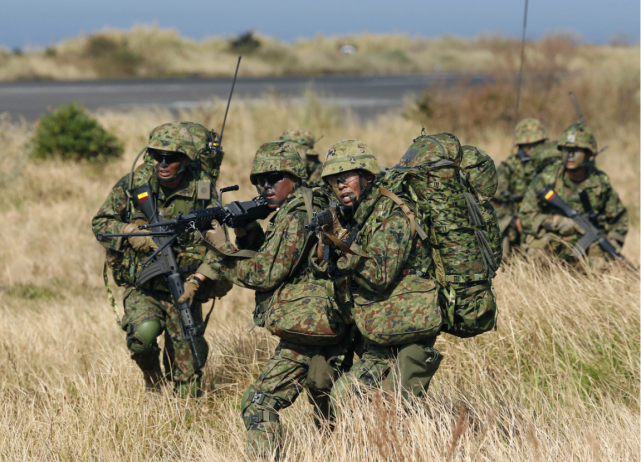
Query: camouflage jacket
{"x": 515, "y": 175}
{"x": 280, "y": 253}
{"x": 612, "y": 216}
{"x": 112, "y": 218}
{"x": 384, "y": 235}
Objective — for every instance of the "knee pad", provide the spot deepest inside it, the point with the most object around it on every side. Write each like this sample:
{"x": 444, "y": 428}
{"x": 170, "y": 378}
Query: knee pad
{"x": 141, "y": 338}
{"x": 320, "y": 375}
{"x": 417, "y": 365}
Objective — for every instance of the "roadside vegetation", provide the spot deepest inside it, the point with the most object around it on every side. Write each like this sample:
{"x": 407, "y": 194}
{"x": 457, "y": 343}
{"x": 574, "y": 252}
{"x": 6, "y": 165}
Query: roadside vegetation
{"x": 558, "y": 380}
{"x": 151, "y": 52}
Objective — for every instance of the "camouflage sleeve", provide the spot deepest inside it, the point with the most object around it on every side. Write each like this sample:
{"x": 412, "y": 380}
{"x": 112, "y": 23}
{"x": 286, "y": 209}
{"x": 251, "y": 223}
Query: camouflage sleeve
{"x": 274, "y": 261}
{"x": 531, "y": 214}
{"x": 616, "y": 216}
{"x": 111, "y": 216}
{"x": 388, "y": 249}
{"x": 503, "y": 190}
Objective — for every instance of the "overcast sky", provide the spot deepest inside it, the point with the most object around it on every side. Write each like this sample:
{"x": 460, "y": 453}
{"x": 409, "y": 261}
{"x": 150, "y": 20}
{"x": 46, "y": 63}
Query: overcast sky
{"x": 39, "y": 22}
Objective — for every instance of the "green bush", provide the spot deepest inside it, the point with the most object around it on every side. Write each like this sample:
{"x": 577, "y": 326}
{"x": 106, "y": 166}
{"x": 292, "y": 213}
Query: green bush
{"x": 245, "y": 43}
{"x": 70, "y": 133}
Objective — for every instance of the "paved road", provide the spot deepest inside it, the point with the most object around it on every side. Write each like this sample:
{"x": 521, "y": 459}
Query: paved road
{"x": 365, "y": 95}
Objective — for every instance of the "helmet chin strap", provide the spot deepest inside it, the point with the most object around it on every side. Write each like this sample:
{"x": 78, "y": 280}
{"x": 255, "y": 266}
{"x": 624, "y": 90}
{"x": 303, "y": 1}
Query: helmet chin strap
{"x": 522, "y": 156}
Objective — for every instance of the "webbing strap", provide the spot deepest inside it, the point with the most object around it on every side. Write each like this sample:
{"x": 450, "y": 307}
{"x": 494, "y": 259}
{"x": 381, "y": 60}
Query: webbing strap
{"x": 410, "y": 215}
{"x": 260, "y": 416}
{"x": 341, "y": 245}
{"x": 465, "y": 277}
{"x": 308, "y": 199}
{"x": 213, "y": 302}
{"x": 110, "y": 294}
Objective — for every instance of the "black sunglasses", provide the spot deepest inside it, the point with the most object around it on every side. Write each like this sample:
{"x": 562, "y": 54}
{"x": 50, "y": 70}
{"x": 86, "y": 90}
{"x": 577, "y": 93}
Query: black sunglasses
{"x": 270, "y": 178}
{"x": 169, "y": 158}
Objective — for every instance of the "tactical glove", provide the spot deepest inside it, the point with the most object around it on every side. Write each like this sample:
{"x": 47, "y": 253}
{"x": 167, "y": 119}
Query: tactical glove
{"x": 192, "y": 286}
{"x": 563, "y": 226}
{"x": 141, "y": 243}
{"x": 249, "y": 227}
{"x": 216, "y": 235}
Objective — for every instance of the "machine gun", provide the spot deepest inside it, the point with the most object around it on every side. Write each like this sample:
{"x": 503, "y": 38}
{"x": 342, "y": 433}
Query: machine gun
{"x": 583, "y": 221}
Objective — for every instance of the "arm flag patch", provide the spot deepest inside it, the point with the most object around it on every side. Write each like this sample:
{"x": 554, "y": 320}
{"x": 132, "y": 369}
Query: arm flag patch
{"x": 142, "y": 197}
{"x": 548, "y": 196}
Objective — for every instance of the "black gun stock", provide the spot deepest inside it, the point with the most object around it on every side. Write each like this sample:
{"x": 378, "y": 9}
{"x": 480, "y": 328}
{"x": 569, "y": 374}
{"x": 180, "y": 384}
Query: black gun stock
{"x": 591, "y": 232}
{"x": 164, "y": 263}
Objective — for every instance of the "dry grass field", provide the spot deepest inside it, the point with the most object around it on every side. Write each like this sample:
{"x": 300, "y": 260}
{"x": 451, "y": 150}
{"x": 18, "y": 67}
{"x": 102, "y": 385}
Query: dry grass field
{"x": 148, "y": 51}
{"x": 558, "y": 380}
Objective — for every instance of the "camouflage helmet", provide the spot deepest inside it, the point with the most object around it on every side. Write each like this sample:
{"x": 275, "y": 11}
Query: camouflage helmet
{"x": 578, "y": 135}
{"x": 173, "y": 137}
{"x": 300, "y": 136}
{"x": 529, "y": 131}
{"x": 278, "y": 156}
{"x": 349, "y": 155}
{"x": 433, "y": 148}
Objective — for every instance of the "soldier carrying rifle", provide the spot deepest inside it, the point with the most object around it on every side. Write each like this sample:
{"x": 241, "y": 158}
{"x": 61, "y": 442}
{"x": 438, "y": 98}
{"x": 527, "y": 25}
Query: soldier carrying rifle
{"x": 581, "y": 191}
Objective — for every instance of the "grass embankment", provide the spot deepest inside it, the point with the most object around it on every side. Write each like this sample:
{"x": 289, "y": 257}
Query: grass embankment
{"x": 558, "y": 380}
{"x": 151, "y": 52}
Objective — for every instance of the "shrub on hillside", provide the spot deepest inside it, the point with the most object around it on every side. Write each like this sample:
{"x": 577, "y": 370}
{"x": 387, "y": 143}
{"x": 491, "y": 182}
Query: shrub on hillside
{"x": 245, "y": 43}
{"x": 70, "y": 133}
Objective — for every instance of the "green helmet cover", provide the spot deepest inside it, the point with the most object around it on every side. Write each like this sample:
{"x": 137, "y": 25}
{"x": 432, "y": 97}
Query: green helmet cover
{"x": 578, "y": 135}
{"x": 529, "y": 131}
{"x": 278, "y": 156}
{"x": 349, "y": 155}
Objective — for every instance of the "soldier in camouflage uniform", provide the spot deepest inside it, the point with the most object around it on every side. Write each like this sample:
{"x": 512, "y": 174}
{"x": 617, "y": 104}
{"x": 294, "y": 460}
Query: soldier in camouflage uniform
{"x": 377, "y": 278}
{"x": 515, "y": 175}
{"x": 305, "y": 141}
{"x": 173, "y": 174}
{"x": 281, "y": 261}
{"x": 544, "y": 228}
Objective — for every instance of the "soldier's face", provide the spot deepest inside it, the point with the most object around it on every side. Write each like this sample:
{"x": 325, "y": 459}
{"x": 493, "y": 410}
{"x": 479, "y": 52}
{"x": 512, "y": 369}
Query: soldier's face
{"x": 167, "y": 164}
{"x": 574, "y": 158}
{"x": 346, "y": 186}
{"x": 275, "y": 186}
{"x": 529, "y": 147}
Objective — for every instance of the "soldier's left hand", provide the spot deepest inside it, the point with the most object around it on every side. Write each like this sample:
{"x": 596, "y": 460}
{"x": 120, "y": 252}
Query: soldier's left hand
{"x": 140, "y": 243}
{"x": 192, "y": 286}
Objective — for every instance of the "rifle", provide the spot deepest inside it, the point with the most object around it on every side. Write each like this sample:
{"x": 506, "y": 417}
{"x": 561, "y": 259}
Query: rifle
{"x": 162, "y": 262}
{"x": 583, "y": 221}
{"x": 320, "y": 219}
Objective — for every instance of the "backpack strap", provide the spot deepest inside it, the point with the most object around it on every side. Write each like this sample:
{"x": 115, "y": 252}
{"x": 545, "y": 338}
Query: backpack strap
{"x": 308, "y": 200}
{"x": 110, "y": 294}
{"x": 408, "y": 213}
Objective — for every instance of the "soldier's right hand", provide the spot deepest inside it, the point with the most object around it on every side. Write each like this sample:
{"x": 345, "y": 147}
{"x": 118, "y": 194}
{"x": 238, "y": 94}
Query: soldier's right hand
{"x": 140, "y": 243}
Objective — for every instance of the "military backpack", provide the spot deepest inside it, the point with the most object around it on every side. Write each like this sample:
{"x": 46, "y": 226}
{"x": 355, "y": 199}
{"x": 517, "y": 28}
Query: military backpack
{"x": 450, "y": 187}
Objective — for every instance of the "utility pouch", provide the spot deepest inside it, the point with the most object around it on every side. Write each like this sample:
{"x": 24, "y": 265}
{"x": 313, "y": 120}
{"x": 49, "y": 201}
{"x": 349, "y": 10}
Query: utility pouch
{"x": 407, "y": 313}
{"x": 473, "y": 310}
{"x": 305, "y": 313}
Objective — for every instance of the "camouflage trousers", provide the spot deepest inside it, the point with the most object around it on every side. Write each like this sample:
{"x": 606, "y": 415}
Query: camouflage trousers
{"x": 291, "y": 369}
{"x": 142, "y": 305}
{"x": 409, "y": 368}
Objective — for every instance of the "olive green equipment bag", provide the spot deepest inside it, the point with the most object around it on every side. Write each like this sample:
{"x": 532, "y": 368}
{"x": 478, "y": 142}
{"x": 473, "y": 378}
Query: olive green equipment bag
{"x": 303, "y": 310}
{"x": 450, "y": 187}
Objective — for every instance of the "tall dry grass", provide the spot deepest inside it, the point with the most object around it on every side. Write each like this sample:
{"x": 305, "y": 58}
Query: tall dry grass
{"x": 558, "y": 380}
{"x": 148, "y": 51}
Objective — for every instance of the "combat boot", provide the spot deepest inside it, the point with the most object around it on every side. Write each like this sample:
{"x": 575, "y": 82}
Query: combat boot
{"x": 154, "y": 378}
